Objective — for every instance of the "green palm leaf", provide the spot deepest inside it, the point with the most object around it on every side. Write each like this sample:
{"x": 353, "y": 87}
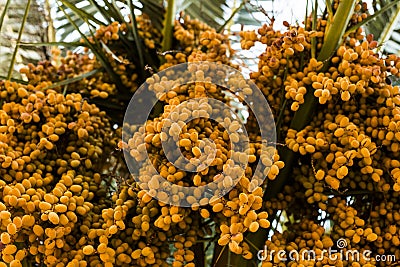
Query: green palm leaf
{"x": 386, "y": 26}
{"x": 211, "y": 12}
{"x": 33, "y": 31}
{"x": 99, "y": 13}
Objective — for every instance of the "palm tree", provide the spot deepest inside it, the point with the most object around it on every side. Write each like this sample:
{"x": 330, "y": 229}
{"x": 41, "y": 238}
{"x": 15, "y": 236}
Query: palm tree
{"x": 80, "y": 17}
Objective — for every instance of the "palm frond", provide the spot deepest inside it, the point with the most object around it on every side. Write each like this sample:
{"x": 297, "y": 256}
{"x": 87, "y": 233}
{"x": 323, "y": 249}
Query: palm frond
{"x": 385, "y": 26}
{"x": 104, "y": 12}
{"x": 34, "y": 31}
{"x": 76, "y": 9}
{"x": 20, "y": 30}
{"x": 218, "y": 13}
{"x": 214, "y": 13}
{"x": 393, "y": 44}
{"x": 256, "y": 13}
{"x": 155, "y": 10}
